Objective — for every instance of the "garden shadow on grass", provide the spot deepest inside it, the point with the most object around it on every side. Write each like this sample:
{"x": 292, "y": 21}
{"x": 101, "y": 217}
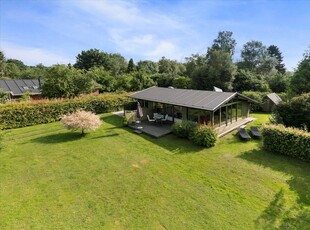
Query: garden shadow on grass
{"x": 59, "y": 138}
{"x": 299, "y": 182}
{"x": 170, "y": 142}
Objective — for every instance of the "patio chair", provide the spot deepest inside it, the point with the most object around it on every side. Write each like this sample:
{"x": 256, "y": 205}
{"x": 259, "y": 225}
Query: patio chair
{"x": 243, "y": 134}
{"x": 165, "y": 118}
{"x": 150, "y": 120}
{"x": 255, "y": 132}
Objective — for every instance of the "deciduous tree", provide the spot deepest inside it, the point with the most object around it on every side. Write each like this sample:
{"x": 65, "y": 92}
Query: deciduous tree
{"x": 63, "y": 82}
{"x": 225, "y": 42}
{"x": 300, "y": 82}
{"x": 83, "y": 120}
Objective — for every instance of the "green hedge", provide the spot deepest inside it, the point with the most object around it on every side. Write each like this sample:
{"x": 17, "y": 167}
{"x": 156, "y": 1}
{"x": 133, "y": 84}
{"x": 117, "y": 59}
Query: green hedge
{"x": 202, "y": 135}
{"x": 16, "y": 115}
{"x": 286, "y": 141}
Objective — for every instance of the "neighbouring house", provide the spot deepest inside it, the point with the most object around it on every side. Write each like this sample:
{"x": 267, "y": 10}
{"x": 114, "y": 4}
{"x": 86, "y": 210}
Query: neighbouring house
{"x": 217, "y": 109}
{"x": 17, "y": 88}
{"x": 270, "y": 101}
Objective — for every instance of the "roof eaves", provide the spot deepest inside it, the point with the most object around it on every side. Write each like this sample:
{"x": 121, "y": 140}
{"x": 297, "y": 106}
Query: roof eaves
{"x": 228, "y": 99}
{"x": 131, "y": 95}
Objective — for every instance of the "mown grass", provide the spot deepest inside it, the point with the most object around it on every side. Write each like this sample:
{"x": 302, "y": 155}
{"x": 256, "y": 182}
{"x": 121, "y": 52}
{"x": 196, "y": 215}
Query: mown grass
{"x": 115, "y": 179}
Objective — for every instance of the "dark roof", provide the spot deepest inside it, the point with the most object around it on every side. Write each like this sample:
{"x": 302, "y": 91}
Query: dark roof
{"x": 19, "y": 87}
{"x": 274, "y": 98}
{"x": 199, "y": 99}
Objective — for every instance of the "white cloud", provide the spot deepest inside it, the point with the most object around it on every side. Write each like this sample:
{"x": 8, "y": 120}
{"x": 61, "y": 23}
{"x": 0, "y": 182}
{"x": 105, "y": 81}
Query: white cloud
{"x": 164, "y": 48}
{"x": 33, "y": 55}
{"x": 122, "y": 11}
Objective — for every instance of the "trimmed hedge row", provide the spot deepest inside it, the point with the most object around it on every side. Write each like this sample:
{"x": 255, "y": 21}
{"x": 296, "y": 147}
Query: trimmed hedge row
{"x": 286, "y": 141}
{"x": 16, "y": 115}
{"x": 202, "y": 135}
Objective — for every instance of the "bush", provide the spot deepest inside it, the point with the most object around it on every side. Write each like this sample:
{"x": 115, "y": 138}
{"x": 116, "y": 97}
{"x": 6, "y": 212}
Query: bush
{"x": 80, "y": 119}
{"x": 295, "y": 113}
{"x": 204, "y": 135}
{"x": 201, "y": 135}
{"x": 183, "y": 129}
{"x": 286, "y": 141}
{"x": 15, "y": 115}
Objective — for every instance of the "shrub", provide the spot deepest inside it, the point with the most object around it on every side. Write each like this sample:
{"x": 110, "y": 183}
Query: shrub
{"x": 204, "y": 135}
{"x": 286, "y": 141}
{"x": 295, "y": 113}
{"x": 80, "y": 119}
{"x": 183, "y": 129}
{"x": 15, "y": 115}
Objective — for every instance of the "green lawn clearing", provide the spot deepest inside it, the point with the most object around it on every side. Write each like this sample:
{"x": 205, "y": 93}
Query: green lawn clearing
{"x": 51, "y": 178}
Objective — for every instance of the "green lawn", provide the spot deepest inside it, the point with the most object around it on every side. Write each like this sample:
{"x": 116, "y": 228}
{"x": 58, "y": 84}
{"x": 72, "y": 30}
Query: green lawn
{"x": 112, "y": 178}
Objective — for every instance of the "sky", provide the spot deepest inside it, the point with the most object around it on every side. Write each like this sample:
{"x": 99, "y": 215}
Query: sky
{"x": 56, "y": 31}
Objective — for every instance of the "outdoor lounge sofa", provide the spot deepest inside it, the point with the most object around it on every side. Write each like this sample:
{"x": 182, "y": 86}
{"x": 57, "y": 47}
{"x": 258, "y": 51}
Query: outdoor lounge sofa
{"x": 243, "y": 134}
{"x": 255, "y": 132}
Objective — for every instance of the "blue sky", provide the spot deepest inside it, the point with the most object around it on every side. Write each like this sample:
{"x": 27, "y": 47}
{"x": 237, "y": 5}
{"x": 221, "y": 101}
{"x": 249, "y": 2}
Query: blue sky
{"x": 55, "y": 31}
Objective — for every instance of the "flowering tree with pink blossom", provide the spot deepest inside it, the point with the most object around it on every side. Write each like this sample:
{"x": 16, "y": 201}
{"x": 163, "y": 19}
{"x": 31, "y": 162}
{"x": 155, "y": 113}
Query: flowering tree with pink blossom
{"x": 86, "y": 121}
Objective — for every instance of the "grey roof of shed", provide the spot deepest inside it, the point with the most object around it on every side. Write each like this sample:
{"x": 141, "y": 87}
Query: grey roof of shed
{"x": 19, "y": 87}
{"x": 274, "y": 98}
{"x": 199, "y": 99}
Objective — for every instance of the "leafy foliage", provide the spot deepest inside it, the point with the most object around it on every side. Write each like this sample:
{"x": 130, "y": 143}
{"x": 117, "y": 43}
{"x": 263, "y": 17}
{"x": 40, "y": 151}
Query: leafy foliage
{"x": 64, "y": 82}
{"x": 3, "y": 96}
{"x": 219, "y": 71}
{"x": 255, "y": 57}
{"x": 257, "y": 96}
{"x": 278, "y": 83}
{"x": 95, "y": 58}
{"x": 225, "y": 42}
{"x": 202, "y": 135}
{"x": 286, "y": 141}
{"x": 274, "y": 51}
{"x": 246, "y": 80}
{"x": 300, "y": 82}
{"x": 15, "y": 115}
{"x": 84, "y": 120}
{"x": 184, "y": 128}
{"x": 295, "y": 113}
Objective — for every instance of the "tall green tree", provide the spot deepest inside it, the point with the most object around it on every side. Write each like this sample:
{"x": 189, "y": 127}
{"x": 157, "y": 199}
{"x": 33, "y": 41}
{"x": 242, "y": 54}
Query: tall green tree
{"x": 171, "y": 67}
{"x": 275, "y": 52}
{"x": 115, "y": 63}
{"x": 255, "y": 57}
{"x": 2, "y": 65}
{"x": 103, "y": 77}
{"x": 278, "y": 83}
{"x": 148, "y": 67}
{"x": 219, "y": 71}
{"x": 225, "y": 42}
{"x": 64, "y": 82}
{"x": 131, "y": 66}
{"x": 246, "y": 80}
{"x": 193, "y": 62}
{"x": 89, "y": 58}
{"x": 300, "y": 82}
